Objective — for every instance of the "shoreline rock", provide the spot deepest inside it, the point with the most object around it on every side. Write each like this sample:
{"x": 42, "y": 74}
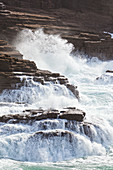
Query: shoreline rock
{"x": 13, "y": 74}
{"x": 30, "y": 116}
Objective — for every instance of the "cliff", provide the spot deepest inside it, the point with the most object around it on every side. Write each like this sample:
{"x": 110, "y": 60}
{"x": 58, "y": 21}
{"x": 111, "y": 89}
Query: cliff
{"x": 82, "y": 23}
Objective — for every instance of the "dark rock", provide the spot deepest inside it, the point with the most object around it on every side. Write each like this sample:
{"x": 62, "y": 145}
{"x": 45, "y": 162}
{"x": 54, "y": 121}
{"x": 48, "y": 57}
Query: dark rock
{"x": 73, "y": 114}
{"x": 109, "y": 71}
{"x": 80, "y": 22}
{"x": 53, "y": 134}
{"x": 12, "y": 68}
{"x": 74, "y": 90}
{"x": 30, "y": 116}
{"x": 39, "y": 79}
{"x": 63, "y": 80}
{"x": 2, "y": 5}
{"x": 107, "y": 77}
{"x": 9, "y": 64}
{"x": 92, "y": 45}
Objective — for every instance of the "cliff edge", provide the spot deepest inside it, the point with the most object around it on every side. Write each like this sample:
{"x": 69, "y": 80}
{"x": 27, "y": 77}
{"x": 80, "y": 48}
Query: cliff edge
{"x": 86, "y": 23}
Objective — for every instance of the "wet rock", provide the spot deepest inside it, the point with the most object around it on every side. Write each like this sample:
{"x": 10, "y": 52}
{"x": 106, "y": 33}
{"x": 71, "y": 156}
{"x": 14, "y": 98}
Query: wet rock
{"x": 12, "y": 69}
{"x": 73, "y": 114}
{"x": 53, "y": 134}
{"x": 30, "y": 116}
{"x": 109, "y": 71}
{"x": 74, "y": 90}
{"x": 53, "y": 143}
{"x": 98, "y": 45}
{"x": 106, "y": 77}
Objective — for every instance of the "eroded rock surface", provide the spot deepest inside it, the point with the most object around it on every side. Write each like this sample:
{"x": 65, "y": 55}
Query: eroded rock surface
{"x": 13, "y": 72}
{"x": 30, "y": 116}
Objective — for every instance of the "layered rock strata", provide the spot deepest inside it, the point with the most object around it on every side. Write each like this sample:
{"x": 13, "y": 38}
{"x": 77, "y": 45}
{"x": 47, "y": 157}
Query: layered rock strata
{"x": 81, "y": 24}
{"x": 68, "y": 119}
{"x": 30, "y": 116}
{"x": 12, "y": 69}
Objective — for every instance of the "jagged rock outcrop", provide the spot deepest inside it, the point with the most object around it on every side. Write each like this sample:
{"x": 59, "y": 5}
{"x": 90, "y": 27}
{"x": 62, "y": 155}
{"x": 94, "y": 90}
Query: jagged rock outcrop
{"x": 12, "y": 68}
{"x": 93, "y": 45}
{"x": 30, "y": 116}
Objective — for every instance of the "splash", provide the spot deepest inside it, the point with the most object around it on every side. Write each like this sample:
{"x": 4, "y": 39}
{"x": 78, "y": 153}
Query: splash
{"x": 53, "y": 53}
{"x": 47, "y": 51}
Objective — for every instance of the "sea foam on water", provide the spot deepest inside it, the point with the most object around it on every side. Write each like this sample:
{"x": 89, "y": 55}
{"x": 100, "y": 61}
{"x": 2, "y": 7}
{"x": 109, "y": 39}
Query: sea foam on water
{"x": 58, "y": 143}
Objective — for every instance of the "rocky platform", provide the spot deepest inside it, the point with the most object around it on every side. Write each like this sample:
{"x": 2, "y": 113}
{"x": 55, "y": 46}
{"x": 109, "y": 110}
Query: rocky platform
{"x": 30, "y": 116}
{"x": 74, "y": 120}
{"x": 55, "y": 123}
{"x": 12, "y": 69}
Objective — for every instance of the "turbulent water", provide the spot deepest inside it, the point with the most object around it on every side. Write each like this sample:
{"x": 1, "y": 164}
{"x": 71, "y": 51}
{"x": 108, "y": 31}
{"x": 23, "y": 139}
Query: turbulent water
{"x": 24, "y": 147}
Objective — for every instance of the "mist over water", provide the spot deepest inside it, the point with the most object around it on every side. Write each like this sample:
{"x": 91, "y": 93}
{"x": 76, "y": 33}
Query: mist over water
{"x": 52, "y": 53}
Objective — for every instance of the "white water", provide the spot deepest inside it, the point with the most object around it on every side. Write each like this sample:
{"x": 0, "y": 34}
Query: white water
{"x": 52, "y": 53}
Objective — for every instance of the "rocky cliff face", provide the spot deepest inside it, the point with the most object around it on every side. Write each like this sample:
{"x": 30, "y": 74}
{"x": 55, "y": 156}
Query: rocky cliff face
{"x": 71, "y": 19}
{"x": 96, "y": 6}
{"x": 80, "y": 22}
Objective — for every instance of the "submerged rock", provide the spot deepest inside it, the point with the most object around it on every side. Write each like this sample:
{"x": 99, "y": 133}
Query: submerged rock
{"x": 49, "y": 146}
{"x": 106, "y": 77}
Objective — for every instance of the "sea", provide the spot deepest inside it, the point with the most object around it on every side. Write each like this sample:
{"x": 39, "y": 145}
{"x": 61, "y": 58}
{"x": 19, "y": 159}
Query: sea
{"x": 20, "y": 147}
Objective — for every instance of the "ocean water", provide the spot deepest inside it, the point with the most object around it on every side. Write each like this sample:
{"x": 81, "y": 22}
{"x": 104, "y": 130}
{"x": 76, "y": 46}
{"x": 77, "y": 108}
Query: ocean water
{"x": 22, "y": 147}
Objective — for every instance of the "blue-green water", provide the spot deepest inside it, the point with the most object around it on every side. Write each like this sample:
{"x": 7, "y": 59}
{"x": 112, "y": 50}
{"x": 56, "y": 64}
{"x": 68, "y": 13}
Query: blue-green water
{"x": 92, "y": 163}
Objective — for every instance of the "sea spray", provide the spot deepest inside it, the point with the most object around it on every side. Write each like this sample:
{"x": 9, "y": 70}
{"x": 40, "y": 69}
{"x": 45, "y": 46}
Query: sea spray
{"x": 52, "y": 144}
{"x": 36, "y": 95}
{"x": 53, "y": 53}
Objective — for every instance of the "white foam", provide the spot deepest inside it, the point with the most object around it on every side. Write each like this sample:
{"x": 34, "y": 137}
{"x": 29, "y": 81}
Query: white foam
{"x": 52, "y": 53}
